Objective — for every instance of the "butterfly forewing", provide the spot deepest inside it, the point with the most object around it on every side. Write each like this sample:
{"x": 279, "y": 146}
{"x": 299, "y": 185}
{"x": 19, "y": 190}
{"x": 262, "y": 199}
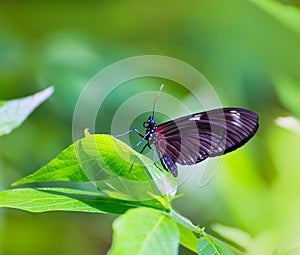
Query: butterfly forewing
{"x": 193, "y": 138}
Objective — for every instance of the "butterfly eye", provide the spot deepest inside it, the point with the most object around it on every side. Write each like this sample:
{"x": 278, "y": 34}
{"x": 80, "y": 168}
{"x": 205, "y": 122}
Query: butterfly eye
{"x": 146, "y": 124}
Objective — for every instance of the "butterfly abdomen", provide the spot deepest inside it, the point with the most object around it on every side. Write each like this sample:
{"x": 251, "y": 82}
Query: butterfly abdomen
{"x": 168, "y": 163}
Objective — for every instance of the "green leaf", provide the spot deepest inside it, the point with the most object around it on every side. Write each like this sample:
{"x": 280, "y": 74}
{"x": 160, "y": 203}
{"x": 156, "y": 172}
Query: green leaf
{"x": 64, "y": 167}
{"x": 188, "y": 238}
{"x": 208, "y": 245}
{"x": 286, "y": 14}
{"x": 14, "y": 112}
{"x": 185, "y": 222}
{"x": 145, "y": 231}
{"x": 111, "y": 165}
{"x": 59, "y": 199}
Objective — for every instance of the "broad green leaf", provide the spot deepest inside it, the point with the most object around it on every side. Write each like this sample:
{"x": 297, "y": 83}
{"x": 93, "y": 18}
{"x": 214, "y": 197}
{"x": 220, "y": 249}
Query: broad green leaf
{"x": 144, "y": 231}
{"x": 188, "y": 238}
{"x": 286, "y": 14}
{"x": 60, "y": 199}
{"x": 14, "y": 112}
{"x": 208, "y": 245}
{"x": 111, "y": 165}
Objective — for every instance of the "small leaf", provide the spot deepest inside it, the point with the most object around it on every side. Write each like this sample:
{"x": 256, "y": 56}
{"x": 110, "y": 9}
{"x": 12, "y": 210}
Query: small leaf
{"x": 14, "y": 112}
{"x": 111, "y": 165}
{"x": 145, "y": 231}
{"x": 208, "y": 245}
{"x": 60, "y": 199}
{"x": 188, "y": 238}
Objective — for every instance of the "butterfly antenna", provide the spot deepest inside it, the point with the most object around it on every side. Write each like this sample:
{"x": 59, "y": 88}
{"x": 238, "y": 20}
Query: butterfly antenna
{"x": 156, "y": 99}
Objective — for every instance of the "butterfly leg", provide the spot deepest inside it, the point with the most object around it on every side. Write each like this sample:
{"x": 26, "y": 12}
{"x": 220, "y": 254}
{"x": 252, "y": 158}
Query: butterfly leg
{"x": 138, "y": 144}
{"x": 143, "y": 147}
{"x": 128, "y": 132}
{"x": 132, "y": 130}
{"x": 143, "y": 138}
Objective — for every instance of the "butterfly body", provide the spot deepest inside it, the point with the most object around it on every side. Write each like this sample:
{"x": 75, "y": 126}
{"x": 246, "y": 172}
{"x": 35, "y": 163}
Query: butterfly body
{"x": 152, "y": 136}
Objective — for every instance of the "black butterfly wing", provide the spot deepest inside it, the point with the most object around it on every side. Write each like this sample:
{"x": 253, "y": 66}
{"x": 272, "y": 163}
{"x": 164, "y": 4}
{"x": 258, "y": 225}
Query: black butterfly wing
{"x": 192, "y": 138}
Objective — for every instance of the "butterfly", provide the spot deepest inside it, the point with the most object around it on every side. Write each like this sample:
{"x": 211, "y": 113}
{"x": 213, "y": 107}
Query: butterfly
{"x": 193, "y": 138}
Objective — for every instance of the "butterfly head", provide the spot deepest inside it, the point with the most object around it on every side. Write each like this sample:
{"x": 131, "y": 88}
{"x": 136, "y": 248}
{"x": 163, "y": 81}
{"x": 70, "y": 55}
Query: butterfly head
{"x": 150, "y": 124}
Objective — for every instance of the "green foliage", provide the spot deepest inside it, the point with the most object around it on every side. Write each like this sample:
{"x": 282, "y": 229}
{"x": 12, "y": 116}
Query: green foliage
{"x": 61, "y": 199}
{"x": 249, "y": 51}
{"x": 145, "y": 231}
{"x": 14, "y": 112}
{"x": 111, "y": 165}
{"x": 212, "y": 246}
{"x": 187, "y": 238}
{"x": 103, "y": 159}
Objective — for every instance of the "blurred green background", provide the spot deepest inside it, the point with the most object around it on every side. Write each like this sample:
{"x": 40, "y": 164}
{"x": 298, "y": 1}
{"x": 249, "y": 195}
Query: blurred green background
{"x": 248, "y": 51}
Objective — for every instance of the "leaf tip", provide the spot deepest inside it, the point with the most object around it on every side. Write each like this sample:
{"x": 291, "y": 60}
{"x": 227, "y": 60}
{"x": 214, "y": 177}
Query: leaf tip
{"x": 24, "y": 180}
{"x": 47, "y": 92}
{"x": 16, "y": 183}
